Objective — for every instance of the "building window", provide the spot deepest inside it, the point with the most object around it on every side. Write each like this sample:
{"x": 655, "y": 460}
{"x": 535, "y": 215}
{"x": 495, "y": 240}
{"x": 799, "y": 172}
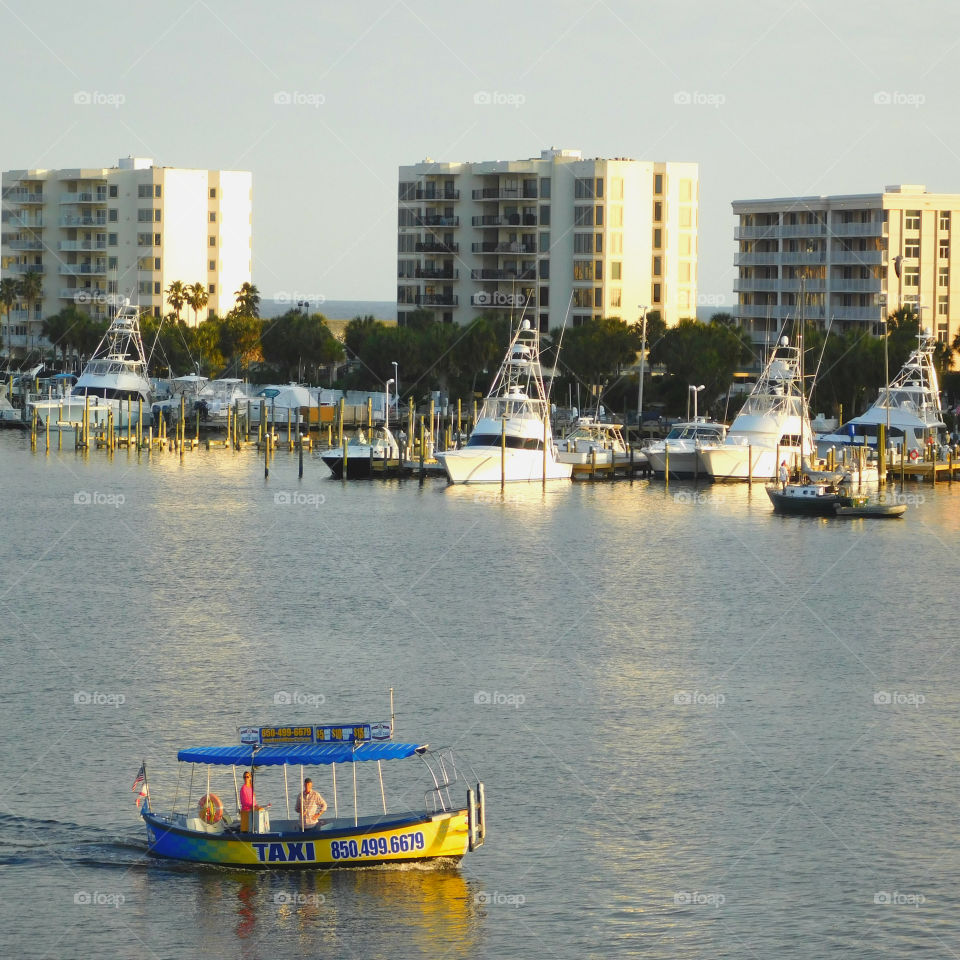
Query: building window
{"x": 598, "y": 243}
{"x": 544, "y": 188}
{"x": 111, "y": 263}
{"x": 658, "y": 183}
{"x": 583, "y": 243}
{"x": 156, "y": 289}
{"x": 212, "y": 265}
{"x": 616, "y": 188}
{"x": 616, "y": 268}
{"x": 544, "y": 271}
{"x": 599, "y": 188}
{"x": 911, "y": 278}
{"x": 657, "y": 210}
{"x": 156, "y": 239}
{"x": 213, "y": 193}
{"x": 156, "y": 190}
{"x": 598, "y": 296}
{"x": 144, "y": 190}
{"x": 911, "y": 249}
{"x": 599, "y": 216}
{"x": 658, "y": 266}
{"x": 156, "y": 216}
{"x": 616, "y": 243}
{"x": 943, "y": 277}
{"x": 213, "y": 216}
{"x": 213, "y": 241}
{"x": 583, "y": 216}
{"x": 911, "y": 220}
{"x": 616, "y": 296}
{"x": 145, "y": 216}
{"x": 113, "y": 190}
{"x": 944, "y": 249}
{"x": 658, "y": 238}
{"x": 544, "y": 216}
{"x": 583, "y": 188}
{"x": 944, "y": 219}
{"x": 544, "y": 323}
{"x": 111, "y": 239}
{"x": 582, "y": 269}
{"x": 582, "y": 297}
{"x": 656, "y": 293}
{"x": 943, "y": 306}
{"x": 616, "y": 217}
{"x": 212, "y": 288}
{"x": 113, "y": 215}
{"x": 598, "y": 270}
{"x": 545, "y": 242}
{"x": 544, "y": 296}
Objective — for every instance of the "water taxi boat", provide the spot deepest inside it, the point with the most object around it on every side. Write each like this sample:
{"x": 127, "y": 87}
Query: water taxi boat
{"x": 200, "y": 829}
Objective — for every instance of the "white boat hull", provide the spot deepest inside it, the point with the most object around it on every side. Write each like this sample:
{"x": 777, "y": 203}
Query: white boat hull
{"x": 735, "y": 462}
{"x": 683, "y": 463}
{"x": 67, "y": 414}
{"x": 483, "y": 465}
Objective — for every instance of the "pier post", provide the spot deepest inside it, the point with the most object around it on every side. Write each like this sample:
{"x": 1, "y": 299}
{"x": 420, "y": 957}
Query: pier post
{"x": 503, "y": 452}
{"x": 423, "y": 447}
{"x": 343, "y": 446}
{"x": 882, "y": 454}
{"x": 666, "y": 465}
{"x": 901, "y": 450}
{"x": 750, "y": 463}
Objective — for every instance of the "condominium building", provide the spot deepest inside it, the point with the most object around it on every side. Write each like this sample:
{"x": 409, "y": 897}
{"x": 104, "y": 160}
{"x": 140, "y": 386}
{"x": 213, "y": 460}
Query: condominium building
{"x": 602, "y": 238}
{"x": 99, "y": 235}
{"x": 845, "y": 250}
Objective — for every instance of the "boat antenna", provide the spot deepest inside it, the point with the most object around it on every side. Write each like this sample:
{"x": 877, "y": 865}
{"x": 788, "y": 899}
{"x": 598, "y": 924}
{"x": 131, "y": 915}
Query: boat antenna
{"x": 563, "y": 330}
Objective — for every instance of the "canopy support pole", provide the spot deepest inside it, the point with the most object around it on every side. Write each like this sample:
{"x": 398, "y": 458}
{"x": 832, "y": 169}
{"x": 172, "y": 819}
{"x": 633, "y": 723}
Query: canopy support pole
{"x": 176, "y": 794}
{"x": 336, "y": 810}
{"x": 236, "y": 786}
{"x": 299, "y": 794}
{"x": 286, "y": 790}
{"x": 354, "y": 793}
{"x": 190, "y": 794}
{"x": 383, "y": 795}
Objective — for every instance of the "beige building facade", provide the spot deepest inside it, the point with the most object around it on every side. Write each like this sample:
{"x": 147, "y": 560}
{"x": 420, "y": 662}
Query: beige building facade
{"x": 97, "y": 236}
{"x": 597, "y": 237}
{"x": 845, "y": 250}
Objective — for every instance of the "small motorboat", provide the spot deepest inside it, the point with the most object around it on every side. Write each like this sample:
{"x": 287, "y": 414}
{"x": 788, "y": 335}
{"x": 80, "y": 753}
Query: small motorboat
{"x": 200, "y": 828}
{"x": 362, "y": 458}
{"x": 861, "y": 507}
{"x": 813, "y": 498}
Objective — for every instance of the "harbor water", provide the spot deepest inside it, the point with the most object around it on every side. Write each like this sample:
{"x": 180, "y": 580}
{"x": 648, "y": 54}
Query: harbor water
{"x": 705, "y": 730}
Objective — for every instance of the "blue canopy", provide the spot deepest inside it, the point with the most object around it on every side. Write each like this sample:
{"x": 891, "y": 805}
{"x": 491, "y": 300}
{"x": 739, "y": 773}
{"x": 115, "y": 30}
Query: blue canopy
{"x": 309, "y": 754}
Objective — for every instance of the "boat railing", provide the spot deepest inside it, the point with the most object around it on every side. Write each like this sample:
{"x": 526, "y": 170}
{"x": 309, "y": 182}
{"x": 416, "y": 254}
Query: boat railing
{"x": 446, "y": 772}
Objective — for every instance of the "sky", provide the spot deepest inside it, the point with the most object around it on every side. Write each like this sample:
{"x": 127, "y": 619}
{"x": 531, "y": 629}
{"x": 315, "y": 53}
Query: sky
{"x": 322, "y": 102}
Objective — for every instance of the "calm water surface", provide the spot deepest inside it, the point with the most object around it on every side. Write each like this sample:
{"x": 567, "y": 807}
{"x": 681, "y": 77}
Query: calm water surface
{"x": 713, "y": 732}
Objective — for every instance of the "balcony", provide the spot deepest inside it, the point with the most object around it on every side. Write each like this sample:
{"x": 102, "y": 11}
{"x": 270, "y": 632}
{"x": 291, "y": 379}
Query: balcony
{"x": 22, "y": 268}
{"x": 446, "y": 273}
{"x": 83, "y": 294}
{"x": 25, "y": 244}
{"x": 82, "y": 269}
{"x": 22, "y": 196}
{"x": 83, "y": 198}
{"x": 767, "y": 232}
{"x": 437, "y": 246}
{"x": 23, "y": 220}
{"x": 432, "y": 195}
{"x": 503, "y": 193}
{"x": 83, "y": 220}
{"x": 775, "y": 311}
{"x": 754, "y": 258}
{"x": 840, "y": 285}
{"x": 875, "y": 229}
{"x": 810, "y": 285}
{"x": 507, "y": 220}
{"x": 859, "y": 257}
{"x": 434, "y": 220}
{"x": 803, "y": 259}
{"x": 503, "y": 275}
{"x": 82, "y": 245}
{"x": 494, "y": 247}
{"x": 437, "y": 300}
{"x": 803, "y": 230}
{"x": 748, "y": 285}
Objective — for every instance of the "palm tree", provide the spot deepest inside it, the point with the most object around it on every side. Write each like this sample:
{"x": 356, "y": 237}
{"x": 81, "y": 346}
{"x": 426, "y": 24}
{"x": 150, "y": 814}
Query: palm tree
{"x": 9, "y": 294}
{"x": 176, "y": 296}
{"x": 31, "y": 290}
{"x": 248, "y": 300}
{"x": 197, "y": 297}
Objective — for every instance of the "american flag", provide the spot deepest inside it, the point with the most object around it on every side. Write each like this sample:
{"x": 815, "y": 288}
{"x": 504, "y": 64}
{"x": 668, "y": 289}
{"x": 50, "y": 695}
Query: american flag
{"x": 140, "y": 781}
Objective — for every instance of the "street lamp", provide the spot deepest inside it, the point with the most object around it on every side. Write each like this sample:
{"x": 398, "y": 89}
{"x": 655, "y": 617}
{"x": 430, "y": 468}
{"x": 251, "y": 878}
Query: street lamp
{"x": 696, "y": 392}
{"x": 387, "y": 411}
{"x": 396, "y": 380}
{"x": 643, "y": 356}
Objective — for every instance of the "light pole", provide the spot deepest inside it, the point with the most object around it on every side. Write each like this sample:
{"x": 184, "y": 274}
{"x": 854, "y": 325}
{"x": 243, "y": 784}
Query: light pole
{"x": 396, "y": 382}
{"x": 696, "y": 392}
{"x": 387, "y": 410}
{"x": 643, "y": 356}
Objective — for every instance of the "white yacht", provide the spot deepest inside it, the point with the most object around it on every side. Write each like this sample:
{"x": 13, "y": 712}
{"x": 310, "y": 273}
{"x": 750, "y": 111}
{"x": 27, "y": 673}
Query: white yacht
{"x": 910, "y": 404}
{"x": 773, "y": 423}
{"x": 595, "y": 443}
{"x": 115, "y": 378}
{"x": 512, "y": 439}
{"x": 681, "y": 443}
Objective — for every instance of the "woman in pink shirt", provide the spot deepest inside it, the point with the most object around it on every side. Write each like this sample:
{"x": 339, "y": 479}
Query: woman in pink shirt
{"x": 247, "y": 800}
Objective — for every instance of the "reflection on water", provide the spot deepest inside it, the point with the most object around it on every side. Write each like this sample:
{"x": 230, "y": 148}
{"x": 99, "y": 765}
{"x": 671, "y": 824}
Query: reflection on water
{"x": 431, "y": 912}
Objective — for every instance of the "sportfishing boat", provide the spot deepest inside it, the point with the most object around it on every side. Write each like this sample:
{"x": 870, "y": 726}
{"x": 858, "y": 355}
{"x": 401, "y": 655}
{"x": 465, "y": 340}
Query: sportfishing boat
{"x": 203, "y": 828}
{"x": 909, "y": 404}
{"x": 597, "y": 444}
{"x": 681, "y": 445}
{"x": 773, "y": 425}
{"x": 815, "y": 499}
{"x": 114, "y": 379}
{"x": 512, "y": 440}
{"x": 356, "y": 459}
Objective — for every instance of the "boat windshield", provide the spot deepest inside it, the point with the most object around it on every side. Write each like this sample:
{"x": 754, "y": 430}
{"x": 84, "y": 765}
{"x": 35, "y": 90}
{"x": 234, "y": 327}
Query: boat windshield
{"x": 495, "y": 440}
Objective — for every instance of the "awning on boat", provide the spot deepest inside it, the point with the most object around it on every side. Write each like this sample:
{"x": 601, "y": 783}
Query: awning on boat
{"x": 310, "y": 754}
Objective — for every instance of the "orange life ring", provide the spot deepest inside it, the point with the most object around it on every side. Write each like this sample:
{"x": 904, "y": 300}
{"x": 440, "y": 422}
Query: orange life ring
{"x": 914, "y": 454}
{"x": 210, "y": 808}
